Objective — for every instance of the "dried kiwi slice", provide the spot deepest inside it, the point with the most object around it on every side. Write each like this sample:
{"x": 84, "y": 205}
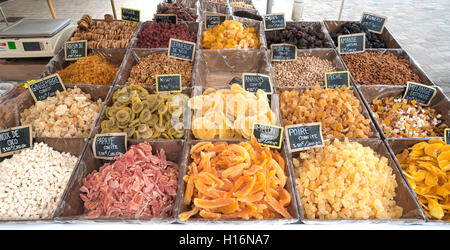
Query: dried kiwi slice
{"x": 137, "y": 107}
{"x": 130, "y": 132}
{"x": 145, "y": 105}
{"x": 125, "y": 98}
{"x": 104, "y": 124}
{"x": 163, "y": 109}
{"x": 153, "y": 120}
{"x": 142, "y": 128}
{"x": 145, "y": 116}
{"x": 122, "y": 125}
{"x": 134, "y": 123}
{"x": 123, "y": 116}
{"x": 160, "y": 128}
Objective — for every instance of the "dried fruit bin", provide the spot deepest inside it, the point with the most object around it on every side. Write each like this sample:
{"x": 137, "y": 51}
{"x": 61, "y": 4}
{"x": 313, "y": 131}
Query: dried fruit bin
{"x": 134, "y": 56}
{"x": 198, "y": 91}
{"x": 259, "y": 31}
{"x": 440, "y": 102}
{"x": 412, "y": 214}
{"x": 396, "y": 146}
{"x": 324, "y": 54}
{"x": 191, "y": 26}
{"x": 365, "y": 112}
{"x": 317, "y": 27}
{"x": 292, "y": 207}
{"x": 400, "y": 53}
{"x": 334, "y": 26}
{"x": 96, "y": 92}
{"x": 109, "y": 102}
{"x": 236, "y": 8}
{"x": 75, "y": 147}
{"x": 216, "y": 68}
{"x": 71, "y": 208}
{"x": 214, "y": 7}
{"x": 58, "y": 62}
{"x": 188, "y": 5}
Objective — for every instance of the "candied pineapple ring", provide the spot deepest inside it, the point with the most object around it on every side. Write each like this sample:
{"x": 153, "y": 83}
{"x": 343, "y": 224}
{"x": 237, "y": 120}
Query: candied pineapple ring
{"x": 229, "y": 113}
{"x": 230, "y": 34}
{"x": 235, "y": 181}
{"x": 426, "y": 165}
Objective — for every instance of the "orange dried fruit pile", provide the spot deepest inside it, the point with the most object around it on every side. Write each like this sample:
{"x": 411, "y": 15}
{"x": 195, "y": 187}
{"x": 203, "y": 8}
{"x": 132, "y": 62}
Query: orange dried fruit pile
{"x": 426, "y": 165}
{"x": 228, "y": 35}
{"x": 235, "y": 181}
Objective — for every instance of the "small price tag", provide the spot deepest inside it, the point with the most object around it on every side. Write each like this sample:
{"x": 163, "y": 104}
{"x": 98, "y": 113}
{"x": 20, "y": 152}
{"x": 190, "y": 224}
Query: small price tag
{"x": 373, "y": 22}
{"x": 182, "y": 50}
{"x": 168, "y": 83}
{"x": 268, "y": 135}
{"x": 46, "y": 87}
{"x": 254, "y": 81}
{"x": 108, "y": 146}
{"x": 15, "y": 139}
{"x": 354, "y": 43}
{"x": 421, "y": 93}
{"x": 274, "y": 22}
{"x": 304, "y": 136}
{"x": 130, "y": 15}
{"x": 236, "y": 80}
{"x": 212, "y": 20}
{"x": 337, "y": 79}
{"x": 447, "y": 136}
{"x": 75, "y": 50}
{"x": 283, "y": 52}
{"x": 166, "y": 18}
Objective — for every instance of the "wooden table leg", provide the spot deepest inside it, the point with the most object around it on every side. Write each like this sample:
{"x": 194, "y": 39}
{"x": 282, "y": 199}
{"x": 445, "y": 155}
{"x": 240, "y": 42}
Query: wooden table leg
{"x": 114, "y": 9}
{"x": 50, "y": 6}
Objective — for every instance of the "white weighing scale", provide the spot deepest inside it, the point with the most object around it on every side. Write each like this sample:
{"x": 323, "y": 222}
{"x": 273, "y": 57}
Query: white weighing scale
{"x": 34, "y": 38}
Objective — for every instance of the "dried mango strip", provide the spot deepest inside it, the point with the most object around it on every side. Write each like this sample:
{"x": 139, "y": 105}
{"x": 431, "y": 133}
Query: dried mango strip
{"x": 239, "y": 181}
{"x": 426, "y": 166}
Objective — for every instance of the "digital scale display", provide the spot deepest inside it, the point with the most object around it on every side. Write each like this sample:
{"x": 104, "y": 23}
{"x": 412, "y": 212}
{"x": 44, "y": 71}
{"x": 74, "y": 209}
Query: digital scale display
{"x": 31, "y": 46}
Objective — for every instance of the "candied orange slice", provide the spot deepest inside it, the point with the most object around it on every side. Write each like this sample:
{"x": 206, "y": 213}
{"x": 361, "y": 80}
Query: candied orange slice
{"x": 432, "y": 149}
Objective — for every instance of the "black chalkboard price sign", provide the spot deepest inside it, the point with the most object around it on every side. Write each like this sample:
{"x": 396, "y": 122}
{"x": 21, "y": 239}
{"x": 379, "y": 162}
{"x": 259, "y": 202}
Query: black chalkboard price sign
{"x": 337, "y": 79}
{"x": 374, "y": 23}
{"x": 447, "y": 136}
{"x": 254, "y": 81}
{"x": 166, "y": 18}
{"x": 354, "y": 43}
{"x": 75, "y": 50}
{"x": 168, "y": 83}
{"x": 274, "y": 22}
{"x": 421, "y": 93}
{"x": 212, "y": 20}
{"x": 108, "y": 146}
{"x": 268, "y": 135}
{"x": 182, "y": 50}
{"x": 15, "y": 139}
{"x": 46, "y": 87}
{"x": 283, "y": 52}
{"x": 236, "y": 80}
{"x": 301, "y": 137}
{"x": 130, "y": 15}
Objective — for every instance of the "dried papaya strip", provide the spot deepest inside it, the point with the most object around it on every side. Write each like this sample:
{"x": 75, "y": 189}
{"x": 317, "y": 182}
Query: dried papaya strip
{"x": 216, "y": 203}
{"x": 284, "y": 197}
{"x": 186, "y": 215}
{"x": 245, "y": 190}
{"x": 189, "y": 191}
{"x": 210, "y": 215}
{"x": 277, "y": 207}
{"x": 252, "y": 198}
{"x": 200, "y": 147}
{"x": 233, "y": 172}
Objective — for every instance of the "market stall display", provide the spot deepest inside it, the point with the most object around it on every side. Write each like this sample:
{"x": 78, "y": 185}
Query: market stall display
{"x": 194, "y": 156}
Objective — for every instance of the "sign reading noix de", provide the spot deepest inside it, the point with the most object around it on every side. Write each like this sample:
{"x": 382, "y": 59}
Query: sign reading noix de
{"x": 168, "y": 83}
{"x": 46, "y": 87}
{"x": 108, "y": 146}
{"x": 130, "y": 15}
{"x": 373, "y": 22}
{"x": 301, "y": 137}
{"x": 15, "y": 139}
{"x": 353, "y": 43}
{"x": 421, "y": 93}
{"x": 75, "y": 50}
{"x": 274, "y": 22}
{"x": 268, "y": 135}
{"x": 183, "y": 50}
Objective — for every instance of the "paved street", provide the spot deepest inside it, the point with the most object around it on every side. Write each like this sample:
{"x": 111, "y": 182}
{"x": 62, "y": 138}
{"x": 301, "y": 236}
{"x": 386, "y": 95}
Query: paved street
{"x": 421, "y": 27}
